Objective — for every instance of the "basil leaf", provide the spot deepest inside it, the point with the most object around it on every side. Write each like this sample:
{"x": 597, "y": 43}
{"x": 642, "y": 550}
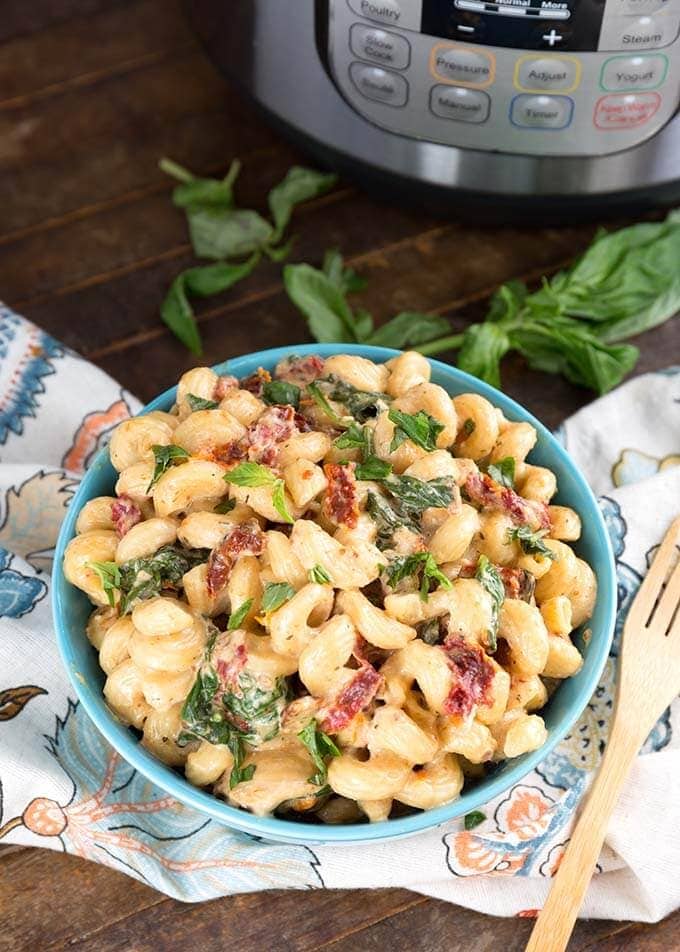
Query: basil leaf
{"x": 531, "y": 542}
{"x": 251, "y": 474}
{"x": 275, "y": 595}
{"x": 315, "y": 392}
{"x": 355, "y": 437}
{"x": 387, "y": 520}
{"x": 473, "y": 819}
{"x": 415, "y": 495}
{"x": 469, "y": 426}
{"x": 220, "y": 233}
{"x": 241, "y": 774}
{"x": 503, "y": 472}
{"x": 488, "y": 577}
{"x": 345, "y": 278}
{"x": 322, "y": 302}
{"x": 482, "y": 349}
{"x": 361, "y": 404}
{"x": 146, "y": 577}
{"x": 298, "y": 186}
{"x": 201, "y": 191}
{"x": 224, "y": 507}
{"x": 109, "y": 576}
{"x": 406, "y": 566}
{"x": 320, "y": 747}
{"x": 408, "y": 329}
{"x": 373, "y": 468}
{"x": 319, "y": 575}
{"x": 236, "y": 618}
{"x": 279, "y": 501}
{"x": 198, "y": 403}
{"x": 176, "y": 311}
{"x": 281, "y": 392}
{"x": 420, "y": 428}
{"x": 165, "y": 456}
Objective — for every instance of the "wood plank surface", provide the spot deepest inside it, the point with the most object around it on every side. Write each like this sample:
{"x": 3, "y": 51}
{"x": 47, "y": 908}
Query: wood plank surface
{"x": 92, "y": 94}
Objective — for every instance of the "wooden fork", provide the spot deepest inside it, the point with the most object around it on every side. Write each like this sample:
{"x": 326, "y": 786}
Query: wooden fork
{"x": 648, "y": 681}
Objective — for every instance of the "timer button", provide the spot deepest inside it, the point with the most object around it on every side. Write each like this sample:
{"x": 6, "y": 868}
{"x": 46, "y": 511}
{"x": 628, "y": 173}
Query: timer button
{"x": 459, "y": 103}
{"x": 378, "y": 84}
{"x": 541, "y": 112}
{"x": 462, "y": 65}
{"x": 379, "y": 46}
{"x": 535, "y": 74}
{"x": 628, "y": 73}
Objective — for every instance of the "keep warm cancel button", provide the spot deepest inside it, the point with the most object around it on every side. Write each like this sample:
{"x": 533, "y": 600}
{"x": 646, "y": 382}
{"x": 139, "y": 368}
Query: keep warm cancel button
{"x": 625, "y": 110}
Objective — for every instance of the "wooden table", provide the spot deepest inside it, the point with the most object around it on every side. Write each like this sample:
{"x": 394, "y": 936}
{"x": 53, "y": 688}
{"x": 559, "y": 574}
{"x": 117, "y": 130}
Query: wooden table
{"x": 92, "y": 93}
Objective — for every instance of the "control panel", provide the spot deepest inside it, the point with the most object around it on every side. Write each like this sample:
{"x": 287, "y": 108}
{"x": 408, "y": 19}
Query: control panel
{"x": 537, "y": 77}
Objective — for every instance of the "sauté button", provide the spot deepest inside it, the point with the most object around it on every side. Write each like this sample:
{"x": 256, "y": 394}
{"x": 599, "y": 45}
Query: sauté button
{"x": 623, "y": 73}
{"x": 625, "y": 110}
{"x": 379, "y": 46}
{"x": 534, "y": 74}
{"x": 541, "y": 112}
{"x": 462, "y": 65}
{"x": 379, "y": 84}
{"x": 459, "y": 103}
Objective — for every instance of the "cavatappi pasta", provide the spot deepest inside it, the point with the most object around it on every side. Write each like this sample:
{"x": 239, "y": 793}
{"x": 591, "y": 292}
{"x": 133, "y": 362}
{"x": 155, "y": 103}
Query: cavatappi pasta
{"x": 335, "y": 591}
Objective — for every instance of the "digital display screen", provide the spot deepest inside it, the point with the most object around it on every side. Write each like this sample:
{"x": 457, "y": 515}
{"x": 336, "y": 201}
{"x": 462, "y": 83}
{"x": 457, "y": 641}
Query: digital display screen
{"x": 523, "y": 24}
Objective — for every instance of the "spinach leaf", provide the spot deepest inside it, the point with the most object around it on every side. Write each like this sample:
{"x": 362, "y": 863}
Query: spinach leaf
{"x": 255, "y": 709}
{"x": 415, "y": 495}
{"x": 320, "y": 747}
{"x": 363, "y": 405}
{"x": 420, "y": 428}
{"x": 487, "y": 575}
{"x": 386, "y": 518}
{"x": 275, "y": 595}
{"x": 317, "y": 395}
{"x": 165, "y": 457}
{"x": 503, "y": 472}
{"x": 531, "y": 542}
{"x": 281, "y": 392}
{"x": 146, "y": 577}
{"x": 355, "y": 437}
{"x": 373, "y": 468}
{"x": 224, "y": 507}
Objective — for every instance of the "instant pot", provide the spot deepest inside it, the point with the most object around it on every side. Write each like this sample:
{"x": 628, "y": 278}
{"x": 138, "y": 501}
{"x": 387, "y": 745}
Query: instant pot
{"x": 527, "y": 106}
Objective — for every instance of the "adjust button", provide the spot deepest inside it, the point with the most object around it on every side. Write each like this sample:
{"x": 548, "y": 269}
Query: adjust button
{"x": 534, "y": 74}
{"x": 624, "y": 73}
{"x": 541, "y": 112}
{"x": 379, "y": 84}
{"x": 379, "y": 46}
{"x": 625, "y": 110}
{"x": 462, "y": 65}
{"x": 463, "y": 105}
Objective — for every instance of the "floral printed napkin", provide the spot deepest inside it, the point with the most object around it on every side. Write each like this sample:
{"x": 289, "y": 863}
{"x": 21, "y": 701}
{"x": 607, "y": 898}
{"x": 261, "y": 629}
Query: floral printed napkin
{"x": 63, "y": 787}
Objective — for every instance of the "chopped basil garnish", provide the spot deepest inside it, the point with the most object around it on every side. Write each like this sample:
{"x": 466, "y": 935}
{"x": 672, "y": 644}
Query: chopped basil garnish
{"x": 275, "y": 595}
{"x": 224, "y": 507}
{"x": 474, "y": 819}
{"x": 488, "y": 577}
{"x": 109, "y": 576}
{"x": 503, "y": 471}
{"x": 406, "y": 566}
{"x": 281, "y": 392}
{"x": 146, "y": 577}
{"x": 319, "y": 575}
{"x": 320, "y": 748}
{"x": 420, "y": 428}
{"x": 315, "y": 392}
{"x": 254, "y": 474}
{"x": 469, "y": 426}
{"x": 198, "y": 403}
{"x": 236, "y": 618}
{"x": 165, "y": 456}
{"x": 531, "y": 542}
{"x": 373, "y": 468}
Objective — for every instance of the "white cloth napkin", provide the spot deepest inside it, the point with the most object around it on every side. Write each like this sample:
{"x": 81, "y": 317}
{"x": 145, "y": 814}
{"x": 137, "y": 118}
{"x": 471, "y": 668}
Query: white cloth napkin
{"x": 62, "y": 786}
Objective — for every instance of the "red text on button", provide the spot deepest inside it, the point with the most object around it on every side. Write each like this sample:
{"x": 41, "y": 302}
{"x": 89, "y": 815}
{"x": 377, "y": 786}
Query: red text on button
{"x": 625, "y": 110}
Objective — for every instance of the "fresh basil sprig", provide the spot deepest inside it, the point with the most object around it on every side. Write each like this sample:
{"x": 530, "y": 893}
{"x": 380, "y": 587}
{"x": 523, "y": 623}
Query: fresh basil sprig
{"x": 254, "y": 474}
{"x": 199, "y": 403}
{"x": 109, "y": 576}
{"x": 320, "y": 748}
{"x": 406, "y": 566}
{"x": 275, "y": 595}
{"x": 165, "y": 457}
{"x": 222, "y": 232}
{"x": 503, "y": 471}
{"x": 530, "y": 541}
{"x": 420, "y": 428}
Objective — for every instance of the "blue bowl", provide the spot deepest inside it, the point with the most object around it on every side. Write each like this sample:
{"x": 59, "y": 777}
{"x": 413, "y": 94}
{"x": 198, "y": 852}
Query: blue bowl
{"x": 72, "y": 608}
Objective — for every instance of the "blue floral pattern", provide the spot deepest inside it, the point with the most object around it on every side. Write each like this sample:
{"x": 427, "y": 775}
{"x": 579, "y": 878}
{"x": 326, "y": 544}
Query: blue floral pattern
{"x": 18, "y": 593}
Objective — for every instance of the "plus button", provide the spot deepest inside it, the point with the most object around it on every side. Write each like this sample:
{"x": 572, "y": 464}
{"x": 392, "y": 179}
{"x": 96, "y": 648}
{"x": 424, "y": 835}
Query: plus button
{"x": 553, "y": 37}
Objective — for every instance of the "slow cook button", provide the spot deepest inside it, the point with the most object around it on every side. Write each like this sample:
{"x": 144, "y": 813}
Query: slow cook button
{"x": 623, "y": 73}
{"x": 464, "y": 105}
{"x": 379, "y": 46}
{"x": 461, "y": 65}
{"x": 547, "y": 72}
{"x": 379, "y": 84}
{"x": 541, "y": 112}
{"x": 625, "y": 111}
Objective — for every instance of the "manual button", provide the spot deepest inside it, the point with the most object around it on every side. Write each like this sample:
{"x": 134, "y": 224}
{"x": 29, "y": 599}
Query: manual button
{"x": 534, "y": 74}
{"x": 628, "y": 73}
{"x": 463, "y": 105}
{"x": 379, "y": 84}
{"x": 379, "y": 46}
{"x": 462, "y": 65}
{"x": 541, "y": 112}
